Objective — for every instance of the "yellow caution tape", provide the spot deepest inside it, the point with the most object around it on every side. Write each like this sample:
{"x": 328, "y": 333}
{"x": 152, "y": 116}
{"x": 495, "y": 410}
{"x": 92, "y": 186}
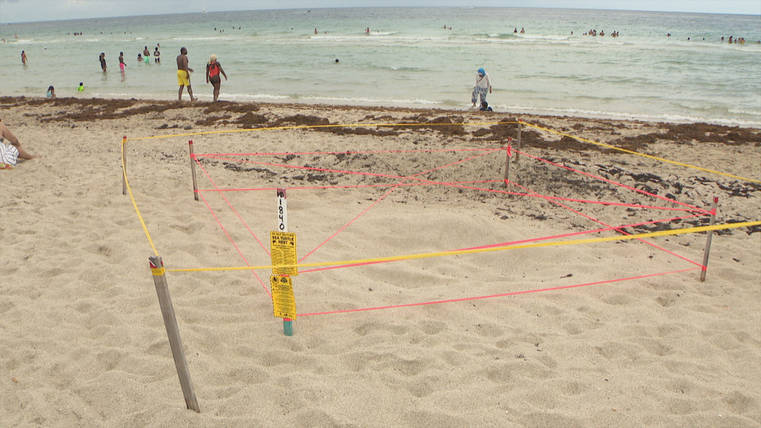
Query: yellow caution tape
{"x": 158, "y": 271}
{"x": 621, "y": 149}
{"x": 134, "y": 204}
{"x": 487, "y": 250}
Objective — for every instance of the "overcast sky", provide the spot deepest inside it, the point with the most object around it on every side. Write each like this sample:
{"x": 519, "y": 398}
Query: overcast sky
{"x": 44, "y": 10}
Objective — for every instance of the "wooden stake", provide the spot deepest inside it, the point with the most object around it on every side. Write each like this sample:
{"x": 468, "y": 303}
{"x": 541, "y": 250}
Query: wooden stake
{"x": 124, "y": 169}
{"x": 507, "y": 166}
{"x": 282, "y": 225}
{"x": 518, "y": 155}
{"x": 708, "y": 240}
{"x": 173, "y": 332}
{"x": 193, "y": 169}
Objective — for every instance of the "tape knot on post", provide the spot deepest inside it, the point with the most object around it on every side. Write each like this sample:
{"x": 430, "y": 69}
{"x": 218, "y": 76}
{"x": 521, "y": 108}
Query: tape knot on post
{"x": 157, "y": 267}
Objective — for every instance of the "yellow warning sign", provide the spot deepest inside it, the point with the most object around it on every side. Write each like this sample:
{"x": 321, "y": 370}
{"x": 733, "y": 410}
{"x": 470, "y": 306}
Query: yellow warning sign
{"x": 283, "y": 300}
{"x": 283, "y": 252}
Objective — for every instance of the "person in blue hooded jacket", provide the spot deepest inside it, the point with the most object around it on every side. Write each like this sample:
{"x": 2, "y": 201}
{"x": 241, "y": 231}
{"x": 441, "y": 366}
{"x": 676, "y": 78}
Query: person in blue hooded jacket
{"x": 482, "y": 86}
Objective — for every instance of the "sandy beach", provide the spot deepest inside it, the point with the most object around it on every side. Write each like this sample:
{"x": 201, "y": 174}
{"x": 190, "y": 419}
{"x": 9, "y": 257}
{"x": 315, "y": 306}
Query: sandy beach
{"x": 618, "y": 333}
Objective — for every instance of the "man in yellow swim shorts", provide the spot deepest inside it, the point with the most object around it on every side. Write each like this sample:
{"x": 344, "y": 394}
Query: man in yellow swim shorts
{"x": 183, "y": 74}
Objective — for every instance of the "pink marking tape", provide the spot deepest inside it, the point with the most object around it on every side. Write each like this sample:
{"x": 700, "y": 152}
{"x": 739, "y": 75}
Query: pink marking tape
{"x": 616, "y": 229}
{"x": 240, "y": 253}
{"x": 233, "y": 208}
{"x": 597, "y": 177}
{"x": 492, "y": 296}
{"x": 388, "y": 193}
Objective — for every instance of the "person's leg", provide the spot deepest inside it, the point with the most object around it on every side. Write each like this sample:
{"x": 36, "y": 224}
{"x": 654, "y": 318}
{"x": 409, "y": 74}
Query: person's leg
{"x": 179, "y": 93}
{"x": 216, "y": 90}
{"x": 7, "y": 134}
{"x": 482, "y": 93}
{"x": 23, "y": 154}
{"x": 190, "y": 92}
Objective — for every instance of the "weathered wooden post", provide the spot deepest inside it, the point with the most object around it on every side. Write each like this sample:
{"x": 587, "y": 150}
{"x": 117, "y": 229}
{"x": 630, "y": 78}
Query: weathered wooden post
{"x": 707, "y": 250}
{"x": 193, "y": 169}
{"x": 173, "y": 332}
{"x": 507, "y": 166}
{"x": 520, "y": 146}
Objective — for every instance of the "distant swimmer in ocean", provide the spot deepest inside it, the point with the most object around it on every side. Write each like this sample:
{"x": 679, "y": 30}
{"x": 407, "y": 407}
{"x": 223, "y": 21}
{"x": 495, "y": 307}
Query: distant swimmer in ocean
{"x": 183, "y": 74}
{"x": 81, "y": 87}
{"x": 515, "y": 30}
{"x": 337, "y": 61}
{"x": 102, "y": 59}
{"x": 139, "y": 57}
{"x": 315, "y": 30}
{"x": 51, "y": 92}
{"x": 522, "y": 30}
{"x": 10, "y": 153}
{"x": 146, "y": 52}
{"x": 482, "y": 86}
{"x": 23, "y": 57}
{"x": 157, "y": 55}
{"x": 213, "y": 70}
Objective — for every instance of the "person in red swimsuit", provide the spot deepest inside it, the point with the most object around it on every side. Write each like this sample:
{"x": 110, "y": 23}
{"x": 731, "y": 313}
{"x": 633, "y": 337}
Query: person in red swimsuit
{"x": 213, "y": 70}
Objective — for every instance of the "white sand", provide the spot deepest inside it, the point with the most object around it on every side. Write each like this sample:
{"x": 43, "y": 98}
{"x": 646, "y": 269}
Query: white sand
{"x": 82, "y": 341}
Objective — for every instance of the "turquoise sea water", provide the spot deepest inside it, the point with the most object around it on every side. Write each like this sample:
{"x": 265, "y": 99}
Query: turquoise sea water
{"x": 409, "y": 59}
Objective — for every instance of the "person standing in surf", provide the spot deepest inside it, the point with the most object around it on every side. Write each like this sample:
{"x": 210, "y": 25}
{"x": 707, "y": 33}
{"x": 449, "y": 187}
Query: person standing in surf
{"x": 183, "y": 74}
{"x": 482, "y": 86}
{"x": 213, "y": 70}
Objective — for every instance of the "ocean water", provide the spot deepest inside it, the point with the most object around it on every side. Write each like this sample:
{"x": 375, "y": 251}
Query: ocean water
{"x": 409, "y": 59}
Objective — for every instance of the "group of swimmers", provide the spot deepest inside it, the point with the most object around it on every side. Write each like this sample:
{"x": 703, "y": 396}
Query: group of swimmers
{"x": 145, "y": 55}
{"x": 222, "y": 30}
{"x": 593, "y": 32}
{"x": 740, "y": 40}
{"x": 51, "y": 90}
{"x": 732, "y": 39}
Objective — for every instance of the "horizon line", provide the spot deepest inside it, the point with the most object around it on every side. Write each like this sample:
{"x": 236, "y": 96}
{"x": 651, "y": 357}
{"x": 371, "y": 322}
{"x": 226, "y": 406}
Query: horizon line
{"x": 376, "y": 7}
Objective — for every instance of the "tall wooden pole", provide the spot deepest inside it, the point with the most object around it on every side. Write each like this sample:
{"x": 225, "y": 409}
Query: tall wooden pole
{"x": 707, "y": 250}
{"x": 124, "y": 166}
{"x": 173, "y": 332}
{"x": 193, "y": 169}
